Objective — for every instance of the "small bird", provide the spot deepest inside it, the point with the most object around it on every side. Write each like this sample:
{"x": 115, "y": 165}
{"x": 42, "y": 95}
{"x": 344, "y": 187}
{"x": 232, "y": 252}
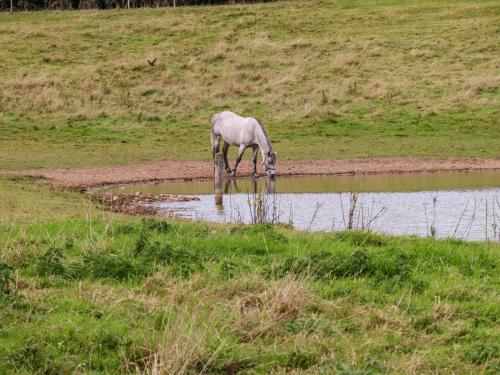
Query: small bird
{"x": 152, "y": 63}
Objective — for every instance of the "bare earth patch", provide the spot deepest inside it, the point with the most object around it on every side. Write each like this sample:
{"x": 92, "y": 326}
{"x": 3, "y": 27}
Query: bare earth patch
{"x": 85, "y": 178}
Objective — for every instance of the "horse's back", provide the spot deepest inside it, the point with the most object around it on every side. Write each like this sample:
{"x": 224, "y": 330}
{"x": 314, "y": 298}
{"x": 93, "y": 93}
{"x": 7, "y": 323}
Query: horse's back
{"x": 229, "y": 117}
{"x": 232, "y": 120}
{"x": 234, "y": 129}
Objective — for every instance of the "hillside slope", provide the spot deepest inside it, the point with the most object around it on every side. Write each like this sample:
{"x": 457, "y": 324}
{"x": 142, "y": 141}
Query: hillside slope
{"x": 327, "y": 78}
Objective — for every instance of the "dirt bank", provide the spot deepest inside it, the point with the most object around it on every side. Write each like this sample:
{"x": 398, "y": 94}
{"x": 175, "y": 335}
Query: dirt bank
{"x": 174, "y": 170}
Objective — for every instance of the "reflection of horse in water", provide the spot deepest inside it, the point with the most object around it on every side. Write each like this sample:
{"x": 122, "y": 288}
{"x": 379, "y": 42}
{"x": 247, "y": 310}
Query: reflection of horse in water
{"x": 243, "y": 132}
{"x": 271, "y": 186}
{"x": 231, "y": 186}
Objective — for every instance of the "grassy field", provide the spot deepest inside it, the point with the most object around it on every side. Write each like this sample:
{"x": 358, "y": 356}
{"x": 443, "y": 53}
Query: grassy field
{"x": 85, "y": 291}
{"x": 351, "y": 78}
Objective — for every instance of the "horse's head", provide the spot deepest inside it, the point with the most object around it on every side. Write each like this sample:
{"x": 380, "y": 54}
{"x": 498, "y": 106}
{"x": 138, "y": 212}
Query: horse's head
{"x": 269, "y": 164}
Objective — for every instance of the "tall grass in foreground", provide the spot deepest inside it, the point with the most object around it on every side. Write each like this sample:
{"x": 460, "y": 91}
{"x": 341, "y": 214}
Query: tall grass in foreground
{"x": 163, "y": 297}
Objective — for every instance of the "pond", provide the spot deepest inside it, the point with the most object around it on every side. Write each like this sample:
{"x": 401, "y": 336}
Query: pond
{"x": 458, "y": 205}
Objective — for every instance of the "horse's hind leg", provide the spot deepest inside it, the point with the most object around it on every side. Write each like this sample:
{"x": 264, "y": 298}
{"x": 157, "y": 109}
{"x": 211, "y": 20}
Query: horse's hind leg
{"x": 241, "y": 150}
{"x": 225, "y": 149}
{"x": 215, "y": 144}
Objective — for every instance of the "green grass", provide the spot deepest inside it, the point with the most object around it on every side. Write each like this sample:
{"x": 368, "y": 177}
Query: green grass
{"x": 87, "y": 291}
{"x": 352, "y": 78}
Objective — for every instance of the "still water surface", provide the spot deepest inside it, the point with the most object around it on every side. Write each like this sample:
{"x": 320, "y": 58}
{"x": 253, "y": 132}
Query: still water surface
{"x": 330, "y": 184}
{"x": 459, "y": 205}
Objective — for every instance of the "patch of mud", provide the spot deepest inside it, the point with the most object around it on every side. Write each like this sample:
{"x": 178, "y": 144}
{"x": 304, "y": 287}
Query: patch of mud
{"x": 137, "y": 204}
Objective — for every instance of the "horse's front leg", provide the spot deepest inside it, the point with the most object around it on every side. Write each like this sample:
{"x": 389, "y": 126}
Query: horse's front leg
{"x": 241, "y": 150}
{"x": 254, "y": 160}
{"x": 225, "y": 149}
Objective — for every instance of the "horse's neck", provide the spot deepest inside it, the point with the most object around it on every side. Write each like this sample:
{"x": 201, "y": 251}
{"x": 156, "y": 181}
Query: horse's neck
{"x": 262, "y": 141}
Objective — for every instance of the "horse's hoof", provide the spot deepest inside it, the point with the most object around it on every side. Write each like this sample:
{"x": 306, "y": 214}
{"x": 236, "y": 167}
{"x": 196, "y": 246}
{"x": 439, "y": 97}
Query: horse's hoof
{"x": 255, "y": 175}
{"x": 232, "y": 174}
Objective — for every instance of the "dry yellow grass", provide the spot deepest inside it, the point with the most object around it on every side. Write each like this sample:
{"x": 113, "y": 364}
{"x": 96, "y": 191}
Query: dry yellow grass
{"x": 279, "y": 302}
{"x": 106, "y": 70}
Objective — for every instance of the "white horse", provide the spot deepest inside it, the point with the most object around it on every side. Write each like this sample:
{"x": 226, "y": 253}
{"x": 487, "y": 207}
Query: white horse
{"x": 243, "y": 132}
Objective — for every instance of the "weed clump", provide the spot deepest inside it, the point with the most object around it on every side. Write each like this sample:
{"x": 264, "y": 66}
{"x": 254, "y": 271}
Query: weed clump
{"x": 228, "y": 269}
{"x": 481, "y": 353}
{"x": 360, "y": 263}
{"x": 301, "y": 360}
{"x": 125, "y": 229}
{"x": 309, "y": 326}
{"x": 160, "y": 226}
{"x": 268, "y": 231}
{"x": 369, "y": 367}
{"x": 426, "y": 324}
{"x": 156, "y": 252}
{"x": 93, "y": 265}
{"x": 361, "y": 238}
{"x": 325, "y": 265}
{"x": 51, "y": 263}
{"x": 182, "y": 262}
{"x": 6, "y": 279}
{"x": 110, "y": 266}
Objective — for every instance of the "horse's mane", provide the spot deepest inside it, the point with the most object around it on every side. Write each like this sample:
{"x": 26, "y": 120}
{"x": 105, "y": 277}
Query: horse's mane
{"x": 265, "y": 134}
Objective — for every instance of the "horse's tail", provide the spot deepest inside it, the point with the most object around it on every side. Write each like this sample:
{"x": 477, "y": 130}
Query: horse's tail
{"x": 214, "y": 138}
{"x": 213, "y": 120}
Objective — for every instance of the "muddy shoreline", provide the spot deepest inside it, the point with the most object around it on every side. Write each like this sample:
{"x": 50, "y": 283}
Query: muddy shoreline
{"x": 137, "y": 204}
{"x": 93, "y": 177}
